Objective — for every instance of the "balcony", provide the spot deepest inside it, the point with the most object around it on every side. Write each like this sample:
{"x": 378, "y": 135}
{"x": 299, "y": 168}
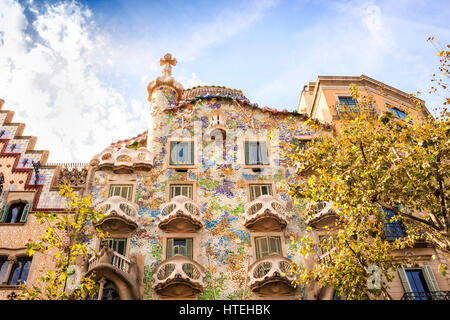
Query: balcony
{"x": 124, "y": 160}
{"x": 430, "y": 295}
{"x": 265, "y": 213}
{"x": 116, "y": 260}
{"x": 180, "y": 214}
{"x": 120, "y": 215}
{"x": 119, "y": 269}
{"x": 271, "y": 276}
{"x": 178, "y": 277}
{"x": 321, "y": 212}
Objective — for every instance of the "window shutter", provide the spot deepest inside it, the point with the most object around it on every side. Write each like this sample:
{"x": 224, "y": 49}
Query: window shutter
{"x": 189, "y": 248}
{"x": 430, "y": 279}
{"x": 275, "y": 245}
{"x": 404, "y": 280}
{"x": 4, "y": 212}
{"x": 246, "y": 152}
{"x": 188, "y": 192}
{"x": 254, "y": 192}
{"x": 191, "y": 155}
{"x": 173, "y": 153}
{"x": 258, "y": 248}
{"x": 169, "y": 248}
{"x": 27, "y": 208}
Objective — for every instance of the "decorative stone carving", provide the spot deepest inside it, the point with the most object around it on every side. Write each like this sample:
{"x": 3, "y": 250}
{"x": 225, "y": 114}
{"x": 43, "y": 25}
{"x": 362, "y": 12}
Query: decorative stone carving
{"x": 70, "y": 174}
{"x": 206, "y": 91}
{"x": 124, "y": 160}
{"x": 166, "y": 78}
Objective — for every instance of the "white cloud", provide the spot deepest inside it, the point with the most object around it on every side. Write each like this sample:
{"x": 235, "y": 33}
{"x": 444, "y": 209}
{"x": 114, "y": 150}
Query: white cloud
{"x": 354, "y": 38}
{"x": 51, "y": 79}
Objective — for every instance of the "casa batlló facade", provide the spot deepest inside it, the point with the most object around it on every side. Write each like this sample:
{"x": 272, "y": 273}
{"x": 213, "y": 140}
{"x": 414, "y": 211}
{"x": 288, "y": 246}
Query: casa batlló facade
{"x": 196, "y": 207}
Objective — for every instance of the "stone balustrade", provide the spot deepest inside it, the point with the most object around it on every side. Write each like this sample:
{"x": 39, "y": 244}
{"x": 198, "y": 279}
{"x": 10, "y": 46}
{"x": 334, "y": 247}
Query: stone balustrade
{"x": 117, "y": 260}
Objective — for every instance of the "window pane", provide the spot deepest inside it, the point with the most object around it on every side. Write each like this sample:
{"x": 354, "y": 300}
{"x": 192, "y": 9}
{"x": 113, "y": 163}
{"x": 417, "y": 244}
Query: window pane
{"x": 267, "y": 245}
{"x": 25, "y": 270}
{"x": 124, "y": 191}
{"x": 3, "y": 268}
{"x": 262, "y": 247}
{"x": 179, "y": 246}
{"x": 393, "y": 229}
{"x": 181, "y": 153}
{"x": 118, "y": 245}
{"x": 19, "y": 272}
{"x": 417, "y": 282}
{"x": 257, "y": 190}
{"x": 349, "y": 103}
{"x": 181, "y": 190}
{"x": 15, "y": 212}
{"x": 275, "y": 245}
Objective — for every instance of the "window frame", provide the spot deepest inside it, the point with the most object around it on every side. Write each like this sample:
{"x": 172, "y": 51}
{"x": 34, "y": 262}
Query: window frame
{"x": 395, "y": 110}
{"x": 121, "y": 185}
{"x": 12, "y": 270}
{"x": 180, "y": 235}
{"x": 22, "y": 217}
{"x": 111, "y": 240}
{"x": 255, "y": 235}
{"x": 244, "y": 153}
{"x": 11, "y": 259}
{"x": 392, "y": 227}
{"x": 181, "y": 183}
{"x": 347, "y": 96}
{"x": 193, "y": 165}
{"x": 249, "y": 185}
{"x": 428, "y": 275}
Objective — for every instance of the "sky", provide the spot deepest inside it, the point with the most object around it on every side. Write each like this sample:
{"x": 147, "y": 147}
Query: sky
{"x": 75, "y": 72}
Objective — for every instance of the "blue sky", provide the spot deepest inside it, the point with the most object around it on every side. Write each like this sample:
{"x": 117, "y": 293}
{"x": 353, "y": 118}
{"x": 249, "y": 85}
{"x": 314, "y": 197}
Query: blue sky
{"x": 81, "y": 67}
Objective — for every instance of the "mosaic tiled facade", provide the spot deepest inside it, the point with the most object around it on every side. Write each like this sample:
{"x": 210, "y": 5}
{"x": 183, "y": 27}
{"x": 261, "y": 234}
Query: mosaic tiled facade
{"x": 196, "y": 207}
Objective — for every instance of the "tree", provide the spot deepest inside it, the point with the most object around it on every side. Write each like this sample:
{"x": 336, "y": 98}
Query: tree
{"x": 66, "y": 240}
{"x": 376, "y": 172}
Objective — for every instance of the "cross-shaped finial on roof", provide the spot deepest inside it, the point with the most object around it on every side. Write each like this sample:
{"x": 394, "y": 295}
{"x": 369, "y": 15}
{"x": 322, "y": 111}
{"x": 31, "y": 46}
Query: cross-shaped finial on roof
{"x": 167, "y": 61}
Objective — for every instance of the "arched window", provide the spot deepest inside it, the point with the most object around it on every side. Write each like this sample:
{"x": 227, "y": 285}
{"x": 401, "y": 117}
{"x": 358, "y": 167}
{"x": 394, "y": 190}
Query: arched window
{"x": 3, "y": 268}
{"x": 16, "y": 212}
{"x": 110, "y": 292}
{"x": 19, "y": 271}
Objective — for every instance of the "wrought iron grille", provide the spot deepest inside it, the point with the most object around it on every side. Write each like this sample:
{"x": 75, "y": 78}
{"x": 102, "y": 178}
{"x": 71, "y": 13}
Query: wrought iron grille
{"x": 430, "y": 295}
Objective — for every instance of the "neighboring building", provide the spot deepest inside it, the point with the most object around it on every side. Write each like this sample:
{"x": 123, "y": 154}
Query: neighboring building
{"x": 324, "y": 99}
{"x": 196, "y": 207}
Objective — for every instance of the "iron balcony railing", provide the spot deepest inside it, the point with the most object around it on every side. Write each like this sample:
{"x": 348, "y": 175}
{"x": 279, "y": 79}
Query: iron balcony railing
{"x": 430, "y": 295}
